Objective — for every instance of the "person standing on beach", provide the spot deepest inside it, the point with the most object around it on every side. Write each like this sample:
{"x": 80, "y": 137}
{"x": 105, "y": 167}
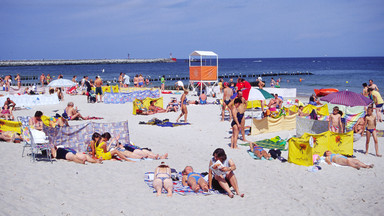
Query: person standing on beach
{"x": 74, "y": 79}
{"x": 18, "y": 79}
{"x": 136, "y": 81}
{"x": 226, "y": 100}
{"x": 373, "y": 85}
{"x": 241, "y": 109}
{"x": 365, "y": 90}
{"x": 376, "y": 97}
{"x": 334, "y": 123}
{"x": 42, "y": 79}
{"x": 162, "y": 80}
{"x": 184, "y": 111}
{"x": 121, "y": 79}
{"x": 99, "y": 91}
{"x": 370, "y": 124}
{"x": 236, "y": 123}
{"x": 48, "y": 78}
{"x": 126, "y": 80}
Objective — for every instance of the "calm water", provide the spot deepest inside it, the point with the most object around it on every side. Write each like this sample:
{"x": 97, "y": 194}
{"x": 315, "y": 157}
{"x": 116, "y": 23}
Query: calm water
{"x": 328, "y": 72}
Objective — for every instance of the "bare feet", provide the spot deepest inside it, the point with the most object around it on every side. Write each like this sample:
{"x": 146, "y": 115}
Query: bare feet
{"x": 165, "y": 156}
{"x": 378, "y": 155}
{"x": 241, "y": 195}
{"x": 370, "y": 166}
{"x": 231, "y": 195}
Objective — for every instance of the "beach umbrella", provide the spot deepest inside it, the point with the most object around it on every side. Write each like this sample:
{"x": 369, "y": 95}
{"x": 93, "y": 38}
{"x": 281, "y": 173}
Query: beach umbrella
{"x": 258, "y": 94}
{"x": 347, "y": 98}
{"x": 61, "y": 83}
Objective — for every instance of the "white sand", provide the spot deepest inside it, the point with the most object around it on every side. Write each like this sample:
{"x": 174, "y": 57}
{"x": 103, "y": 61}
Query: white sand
{"x": 117, "y": 188}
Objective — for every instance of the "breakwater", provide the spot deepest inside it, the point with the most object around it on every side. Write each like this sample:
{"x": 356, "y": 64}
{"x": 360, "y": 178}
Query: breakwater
{"x": 83, "y": 61}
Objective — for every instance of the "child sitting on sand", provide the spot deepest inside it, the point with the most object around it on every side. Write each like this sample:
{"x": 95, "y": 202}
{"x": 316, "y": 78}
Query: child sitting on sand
{"x": 334, "y": 123}
{"x": 259, "y": 151}
{"x": 370, "y": 124}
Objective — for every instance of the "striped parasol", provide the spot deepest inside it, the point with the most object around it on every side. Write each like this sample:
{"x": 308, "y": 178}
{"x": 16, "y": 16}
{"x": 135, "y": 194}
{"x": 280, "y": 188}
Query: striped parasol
{"x": 347, "y": 98}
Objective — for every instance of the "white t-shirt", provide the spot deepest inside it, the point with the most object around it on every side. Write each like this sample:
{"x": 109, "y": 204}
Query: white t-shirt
{"x": 179, "y": 83}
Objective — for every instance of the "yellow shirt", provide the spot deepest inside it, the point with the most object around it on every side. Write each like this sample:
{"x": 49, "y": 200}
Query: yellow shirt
{"x": 377, "y": 97}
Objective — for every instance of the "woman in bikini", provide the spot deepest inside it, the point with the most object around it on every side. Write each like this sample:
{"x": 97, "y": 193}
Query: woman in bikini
{"x": 344, "y": 161}
{"x": 163, "y": 179}
{"x": 193, "y": 180}
{"x": 259, "y": 151}
{"x": 184, "y": 111}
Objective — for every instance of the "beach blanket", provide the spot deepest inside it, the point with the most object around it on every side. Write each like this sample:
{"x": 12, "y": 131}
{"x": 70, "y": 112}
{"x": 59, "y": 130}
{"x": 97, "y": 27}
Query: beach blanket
{"x": 178, "y": 187}
{"x": 78, "y": 137}
{"x": 163, "y": 123}
{"x": 380, "y": 133}
{"x": 268, "y": 125}
{"x": 10, "y": 126}
{"x": 305, "y": 125}
{"x": 142, "y": 105}
{"x": 274, "y": 143}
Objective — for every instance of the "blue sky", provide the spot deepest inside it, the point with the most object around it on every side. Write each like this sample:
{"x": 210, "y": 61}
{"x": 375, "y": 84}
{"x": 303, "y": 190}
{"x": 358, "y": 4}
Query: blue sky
{"x": 73, "y": 29}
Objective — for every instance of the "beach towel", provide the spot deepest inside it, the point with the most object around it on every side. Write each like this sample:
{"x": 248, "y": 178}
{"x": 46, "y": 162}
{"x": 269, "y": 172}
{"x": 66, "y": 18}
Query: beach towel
{"x": 380, "y": 133}
{"x": 274, "y": 143}
{"x": 178, "y": 187}
{"x": 10, "y": 126}
{"x": 163, "y": 123}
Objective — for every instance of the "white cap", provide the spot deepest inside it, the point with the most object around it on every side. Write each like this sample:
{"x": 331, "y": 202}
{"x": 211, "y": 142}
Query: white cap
{"x": 259, "y": 78}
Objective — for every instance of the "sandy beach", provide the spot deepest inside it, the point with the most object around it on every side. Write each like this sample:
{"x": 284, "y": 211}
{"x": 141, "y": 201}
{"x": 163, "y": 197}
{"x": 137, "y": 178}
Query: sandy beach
{"x": 118, "y": 188}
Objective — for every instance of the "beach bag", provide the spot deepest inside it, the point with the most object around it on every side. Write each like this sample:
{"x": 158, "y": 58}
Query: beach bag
{"x": 275, "y": 153}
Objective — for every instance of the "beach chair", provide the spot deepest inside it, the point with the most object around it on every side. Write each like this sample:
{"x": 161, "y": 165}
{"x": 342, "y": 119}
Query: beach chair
{"x": 24, "y": 122}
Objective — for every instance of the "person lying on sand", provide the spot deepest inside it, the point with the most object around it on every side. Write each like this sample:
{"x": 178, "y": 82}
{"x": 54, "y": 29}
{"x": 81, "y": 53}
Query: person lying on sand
{"x": 72, "y": 112}
{"x": 10, "y": 136}
{"x": 344, "y": 161}
{"x": 194, "y": 180}
{"x": 72, "y": 155}
{"x": 152, "y": 109}
{"x": 132, "y": 151}
{"x": 259, "y": 151}
{"x": 163, "y": 179}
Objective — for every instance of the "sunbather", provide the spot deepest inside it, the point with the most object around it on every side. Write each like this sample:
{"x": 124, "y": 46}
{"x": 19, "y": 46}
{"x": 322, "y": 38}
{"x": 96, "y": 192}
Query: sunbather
{"x": 152, "y": 109}
{"x": 58, "y": 122}
{"x": 358, "y": 128}
{"x": 194, "y": 180}
{"x": 259, "y": 151}
{"x": 72, "y": 112}
{"x": 227, "y": 177}
{"x": 72, "y": 155}
{"x": 100, "y": 148}
{"x": 6, "y": 113}
{"x": 10, "y": 136}
{"x": 36, "y": 122}
{"x": 133, "y": 151}
{"x": 344, "y": 161}
{"x": 163, "y": 179}
{"x": 173, "y": 106}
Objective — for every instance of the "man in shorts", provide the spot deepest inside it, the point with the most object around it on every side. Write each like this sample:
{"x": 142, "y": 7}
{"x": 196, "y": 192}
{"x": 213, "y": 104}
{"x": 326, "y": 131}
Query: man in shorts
{"x": 99, "y": 91}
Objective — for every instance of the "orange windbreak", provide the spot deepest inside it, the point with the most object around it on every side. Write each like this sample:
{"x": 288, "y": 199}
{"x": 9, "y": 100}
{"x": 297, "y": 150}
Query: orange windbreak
{"x": 203, "y": 73}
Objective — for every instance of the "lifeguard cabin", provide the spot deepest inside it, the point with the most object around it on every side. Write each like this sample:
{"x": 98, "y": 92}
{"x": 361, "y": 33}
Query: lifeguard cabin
{"x": 203, "y": 69}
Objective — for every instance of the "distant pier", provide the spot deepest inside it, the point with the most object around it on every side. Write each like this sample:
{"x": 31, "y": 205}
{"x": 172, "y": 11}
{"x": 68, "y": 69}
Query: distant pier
{"x": 83, "y": 61}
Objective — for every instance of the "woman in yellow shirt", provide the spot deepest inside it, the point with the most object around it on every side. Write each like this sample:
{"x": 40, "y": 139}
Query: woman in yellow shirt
{"x": 101, "y": 148}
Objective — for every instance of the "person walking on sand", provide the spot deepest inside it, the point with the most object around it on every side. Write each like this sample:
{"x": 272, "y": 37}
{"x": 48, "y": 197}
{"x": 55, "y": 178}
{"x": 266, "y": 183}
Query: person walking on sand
{"x": 184, "y": 111}
{"x": 236, "y": 122}
{"x": 334, "y": 123}
{"x": 370, "y": 124}
{"x": 99, "y": 91}
{"x": 228, "y": 93}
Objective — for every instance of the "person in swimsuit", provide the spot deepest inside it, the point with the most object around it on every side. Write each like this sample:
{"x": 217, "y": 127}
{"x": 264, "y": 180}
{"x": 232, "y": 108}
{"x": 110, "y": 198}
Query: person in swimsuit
{"x": 71, "y": 155}
{"x": 152, "y": 109}
{"x": 121, "y": 80}
{"x": 58, "y": 121}
{"x": 259, "y": 151}
{"x": 236, "y": 122}
{"x": 226, "y": 180}
{"x": 344, "y": 161}
{"x": 141, "y": 81}
{"x": 101, "y": 148}
{"x": 136, "y": 81}
{"x": 184, "y": 110}
{"x": 72, "y": 112}
{"x": 42, "y": 79}
{"x": 379, "y": 102}
{"x": 36, "y": 122}
{"x": 163, "y": 179}
{"x": 162, "y": 80}
{"x": 99, "y": 90}
{"x": 370, "y": 125}
{"x": 203, "y": 98}
{"x": 5, "y": 113}
{"x": 194, "y": 180}
{"x": 11, "y": 104}
{"x": 228, "y": 93}
{"x": 334, "y": 123}
{"x": 18, "y": 79}
{"x": 172, "y": 106}
{"x": 358, "y": 128}
{"x": 365, "y": 90}
{"x": 10, "y": 136}
{"x": 133, "y": 151}
{"x": 48, "y": 78}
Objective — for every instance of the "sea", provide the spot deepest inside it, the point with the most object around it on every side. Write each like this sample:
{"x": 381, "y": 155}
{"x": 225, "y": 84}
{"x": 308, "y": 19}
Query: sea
{"x": 343, "y": 73}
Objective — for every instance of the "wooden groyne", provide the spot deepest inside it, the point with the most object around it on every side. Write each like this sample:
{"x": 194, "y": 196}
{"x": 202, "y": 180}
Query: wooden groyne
{"x": 83, "y": 61}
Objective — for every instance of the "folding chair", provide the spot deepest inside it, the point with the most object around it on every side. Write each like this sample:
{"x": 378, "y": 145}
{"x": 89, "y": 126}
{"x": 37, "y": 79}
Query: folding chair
{"x": 24, "y": 120}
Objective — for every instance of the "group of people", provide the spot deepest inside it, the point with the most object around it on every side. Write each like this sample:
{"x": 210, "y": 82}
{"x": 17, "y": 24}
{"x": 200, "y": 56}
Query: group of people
{"x": 123, "y": 80}
{"x": 220, "y": 176}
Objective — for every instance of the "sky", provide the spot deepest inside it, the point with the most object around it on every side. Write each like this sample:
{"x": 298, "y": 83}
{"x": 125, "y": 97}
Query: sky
{"x": 98, "y": 29}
